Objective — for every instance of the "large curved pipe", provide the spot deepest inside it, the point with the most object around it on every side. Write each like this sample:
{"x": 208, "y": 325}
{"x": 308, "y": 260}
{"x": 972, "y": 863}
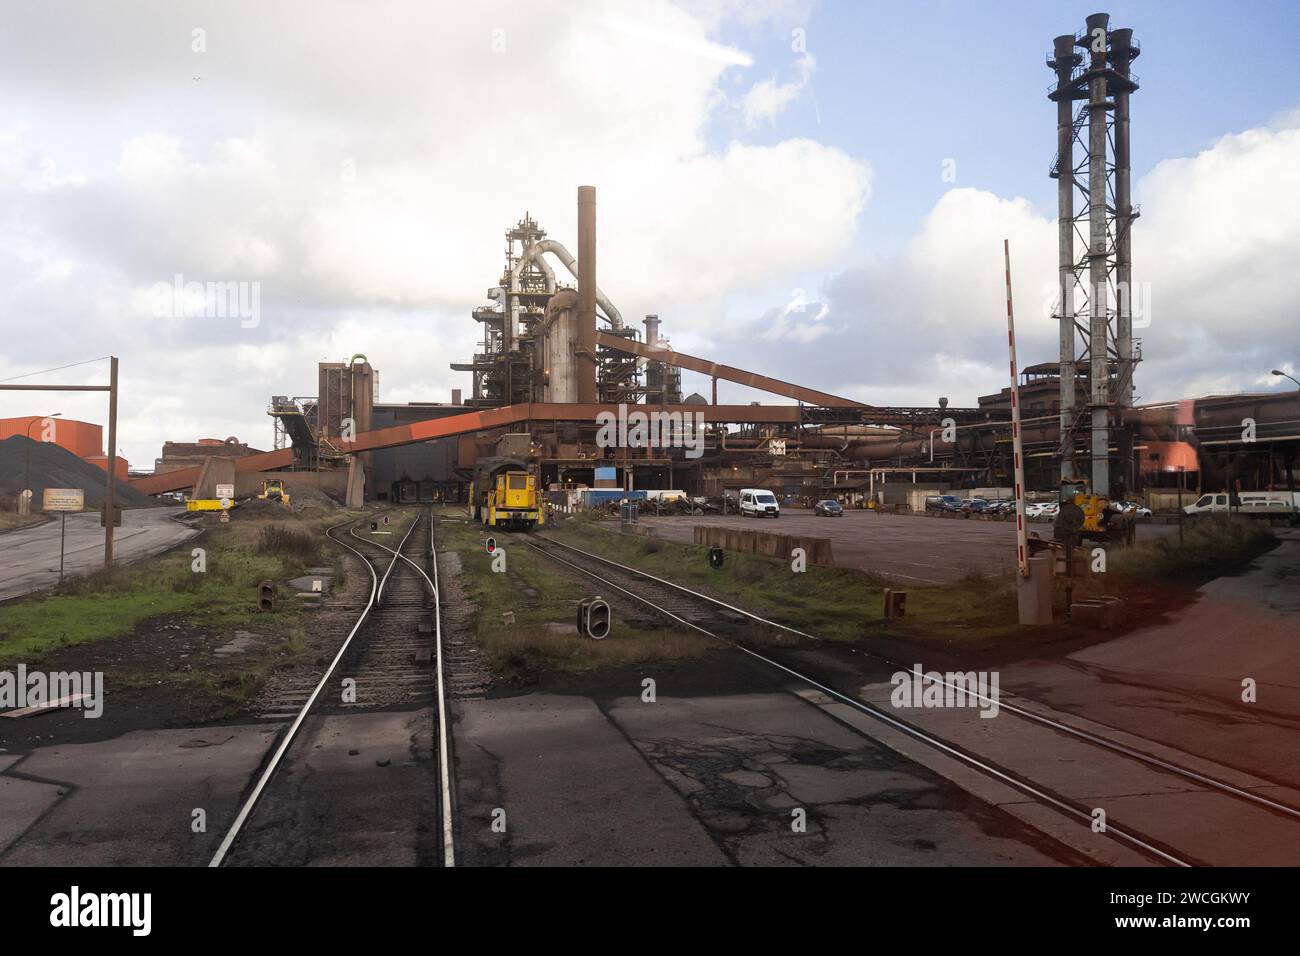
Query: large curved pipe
{"x": 533, "y": 252}
{"x": 534, "y": 255}
{"x": 570, "y": 263}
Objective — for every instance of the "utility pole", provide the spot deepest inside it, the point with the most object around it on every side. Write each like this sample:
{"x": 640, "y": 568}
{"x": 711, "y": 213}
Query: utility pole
{"x": 110, "y": 485}
{"x": 1017, "y": 444}
{"x": 110, "y": 478}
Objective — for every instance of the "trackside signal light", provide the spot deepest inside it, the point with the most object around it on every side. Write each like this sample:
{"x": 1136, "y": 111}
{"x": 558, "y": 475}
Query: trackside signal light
{"x": 593, "y": 618}
{"x": 598, "y": 620}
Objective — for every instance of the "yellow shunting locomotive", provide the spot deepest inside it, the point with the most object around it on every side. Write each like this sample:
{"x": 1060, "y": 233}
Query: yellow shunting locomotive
{"x": 504, "y": 494}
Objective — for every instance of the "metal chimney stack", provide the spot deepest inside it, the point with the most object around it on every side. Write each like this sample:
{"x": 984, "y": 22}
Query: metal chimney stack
{"x": 1099, "y": 108}
{"x": 1121, "y": 55}
{"x": 1102, "y": 277}
{"x": 1064, "y": 60}
{"x": 586, "y": 358}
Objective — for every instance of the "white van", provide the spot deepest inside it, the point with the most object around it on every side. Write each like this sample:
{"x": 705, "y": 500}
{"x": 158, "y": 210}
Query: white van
{"x": 1251, "y": 503}
{"x": 758, "y": 503}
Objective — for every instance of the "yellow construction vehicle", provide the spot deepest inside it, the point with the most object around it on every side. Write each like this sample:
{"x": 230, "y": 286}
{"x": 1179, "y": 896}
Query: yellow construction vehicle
{"x": 504, "y": 494}
{"x": 273, "y": 490}
{"x": 1095, "y": 518}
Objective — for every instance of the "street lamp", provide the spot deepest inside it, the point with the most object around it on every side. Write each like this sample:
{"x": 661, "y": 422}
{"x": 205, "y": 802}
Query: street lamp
{"x": 27, "y": 471}
{"x": 1285, "y": 375}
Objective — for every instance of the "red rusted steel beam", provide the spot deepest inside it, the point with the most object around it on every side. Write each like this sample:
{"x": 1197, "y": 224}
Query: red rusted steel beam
{"x": 554, "y": 412}
{"x": 450, "y": 425}
{"x": 185, "y": 477}
{"x": 809, "y": 396}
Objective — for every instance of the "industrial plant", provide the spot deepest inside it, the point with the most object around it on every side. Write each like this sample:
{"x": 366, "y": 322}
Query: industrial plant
{"x": 555, "y": 351}
{"x": 570, "y": 606}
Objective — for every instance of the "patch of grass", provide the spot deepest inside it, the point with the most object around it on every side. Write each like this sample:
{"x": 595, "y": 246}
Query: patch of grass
{"x": 832, "y": 603}
{"x": 54, "y": 621}
{"x": 111, "y": 603}
{"x": 977, "y": 611}
{"x": 526, "y": 648}
{"x": 840, "y": 604}
{"x": 1211, "y": 544}
{"x": 12, "y": 520}
{"x": 300, "y": 547}
{"x": 340, "y": 576}
{"x": 217, "y": 695}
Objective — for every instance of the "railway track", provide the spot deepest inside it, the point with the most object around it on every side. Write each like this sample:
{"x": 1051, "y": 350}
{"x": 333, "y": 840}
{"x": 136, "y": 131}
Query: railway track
{"x": 391, "y": 651}
{"x": 646, "y": 595}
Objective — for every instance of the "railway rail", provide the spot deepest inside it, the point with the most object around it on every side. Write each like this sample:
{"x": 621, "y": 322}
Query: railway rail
{"x": 718, "y": 619}
{"x": 382, "y": 648}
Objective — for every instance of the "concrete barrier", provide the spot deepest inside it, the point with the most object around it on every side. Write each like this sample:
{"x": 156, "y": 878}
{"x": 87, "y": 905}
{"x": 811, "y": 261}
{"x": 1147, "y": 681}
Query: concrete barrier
{"x": 765, "y": 543}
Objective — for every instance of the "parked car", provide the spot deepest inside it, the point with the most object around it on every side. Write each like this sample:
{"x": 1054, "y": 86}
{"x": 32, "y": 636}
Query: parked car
{"x": 1140, "y": 511}
{"x": 1270, "y": 504}
{"x": 974, "y": 505}
{"x": 829, "y": 508}
{"x": 758, "y": 503}
{"x": 942, "y": 503}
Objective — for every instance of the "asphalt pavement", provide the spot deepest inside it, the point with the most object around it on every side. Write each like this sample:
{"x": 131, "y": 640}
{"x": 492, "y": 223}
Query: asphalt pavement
{"x": 908, "y": 548}
{"x": 29, "y": 557}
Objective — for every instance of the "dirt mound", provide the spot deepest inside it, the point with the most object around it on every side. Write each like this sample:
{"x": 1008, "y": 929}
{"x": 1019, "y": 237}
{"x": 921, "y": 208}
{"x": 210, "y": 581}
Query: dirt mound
{"x": 53, "y": 466}
{"x": 305, "y": 498}
{"x": 301, "y": 500}
{"x": 259, "y": 507}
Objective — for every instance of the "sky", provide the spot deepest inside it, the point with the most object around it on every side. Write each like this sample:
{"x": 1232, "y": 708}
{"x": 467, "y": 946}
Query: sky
{"x": 817, "y": 191}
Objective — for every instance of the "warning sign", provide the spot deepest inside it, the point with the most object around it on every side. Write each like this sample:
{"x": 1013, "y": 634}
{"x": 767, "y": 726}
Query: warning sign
{"x": 63, "y": 499}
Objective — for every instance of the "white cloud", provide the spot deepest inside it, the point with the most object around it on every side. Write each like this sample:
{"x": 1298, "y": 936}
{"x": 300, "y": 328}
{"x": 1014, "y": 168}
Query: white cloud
{"x": 1217, "y": 243}
{"x": 361, "y": 166}
{"x": 767, "y": 99}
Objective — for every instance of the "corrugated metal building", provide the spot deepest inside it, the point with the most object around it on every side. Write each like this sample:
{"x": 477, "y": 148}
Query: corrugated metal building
{"x": 421, "y": 472}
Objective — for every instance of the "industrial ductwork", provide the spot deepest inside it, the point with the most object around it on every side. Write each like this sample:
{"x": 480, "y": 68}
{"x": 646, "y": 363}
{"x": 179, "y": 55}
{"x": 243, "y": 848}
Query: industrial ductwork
{"x": 570, "y": 263}
{"x": 534, "y": 253}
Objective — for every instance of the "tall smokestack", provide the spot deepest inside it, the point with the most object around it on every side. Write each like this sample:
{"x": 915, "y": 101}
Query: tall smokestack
{"x": 652, "y": 330}
{"x": 1121, "y": 54}
{"x": 1103, "y": 83}
{"x": 1098, "y": 288}
{"x": 1064, "y": 60}
{"x": 586, "y": 364}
